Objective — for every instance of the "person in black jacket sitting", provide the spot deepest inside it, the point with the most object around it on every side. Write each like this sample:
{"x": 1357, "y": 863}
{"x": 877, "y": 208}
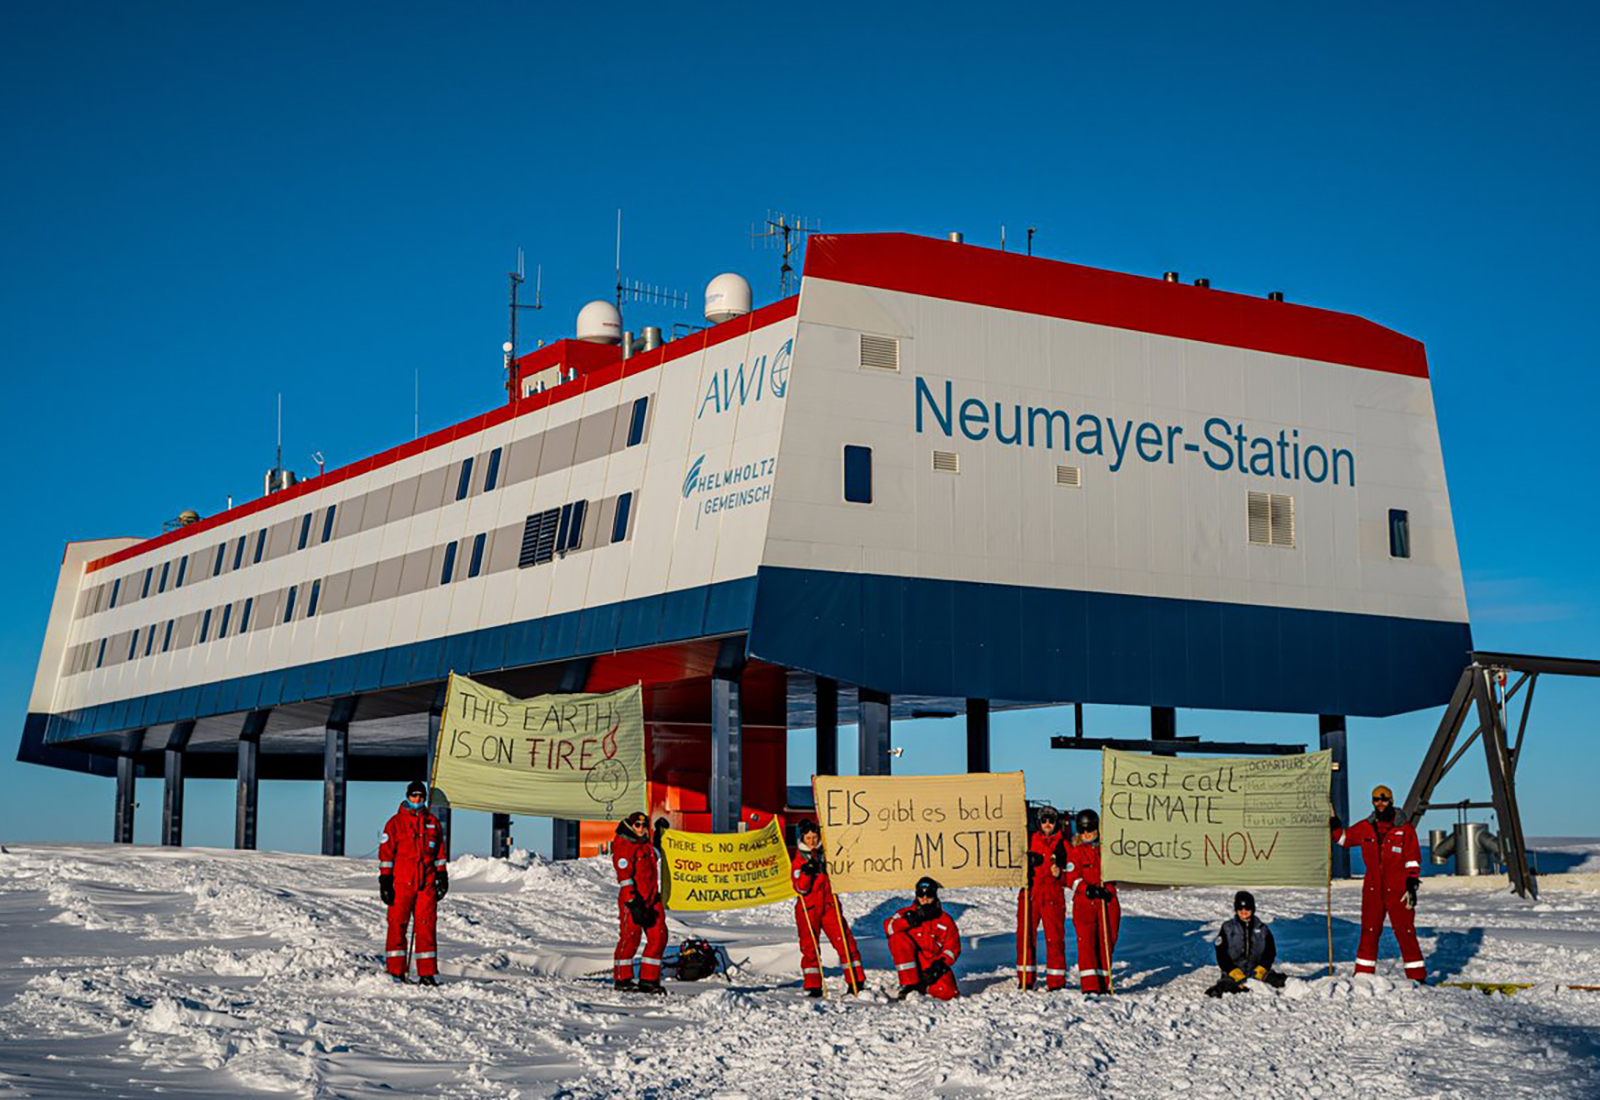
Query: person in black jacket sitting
{"x": 1245, "y": 949}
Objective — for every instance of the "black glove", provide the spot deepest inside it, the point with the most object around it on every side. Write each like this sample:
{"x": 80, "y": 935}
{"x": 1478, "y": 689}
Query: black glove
{"x": 815, "y": 865}
{"x": 1061, "y": 856}
{"x": 938, "y": 969}
{"x": 650, "y": 916}
{"x": 1096, "y": 892}
{"x": 441, "y": 883}
{"x": 1334, "y": 822}
{"x": 918, "y": 915}
{"x": 1035, "y": 859}
{"x": 1410, "y": 899}
{"x": 1276, "y": 979}
{"x": 386, "y": 889}
{"x": 640, "y": 912}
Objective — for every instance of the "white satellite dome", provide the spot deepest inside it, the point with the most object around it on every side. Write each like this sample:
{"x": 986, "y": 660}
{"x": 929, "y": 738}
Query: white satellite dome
{"x": 600, "y": 322}
{"x": 727, "y": 297}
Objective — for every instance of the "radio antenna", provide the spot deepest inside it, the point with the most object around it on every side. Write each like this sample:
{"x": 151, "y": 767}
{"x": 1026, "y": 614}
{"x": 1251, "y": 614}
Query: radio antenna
{"x": 517, "y": 278}
{"x": 787, "y": 233}
{"x": 634, "y": 290}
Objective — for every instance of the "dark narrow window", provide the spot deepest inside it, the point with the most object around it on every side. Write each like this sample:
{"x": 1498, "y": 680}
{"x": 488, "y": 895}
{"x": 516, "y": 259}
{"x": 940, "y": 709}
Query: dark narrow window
{"x": 261, "y": 545}
{"x": 327, "y": 524}
{"x": 166, "y": 567}
{"x": 205, "y": 624}
{"x": 1399, "y": 533}
{"x": 465, "y": 482}
{"x": 580, "y": 509}
{"x": 288, "y": 605}
{"x": 491, "y": 476}
{"x": 148, "y": 573}
{"x": 619, "y": 524}
{"x": 222, "y": 627}
{"x": 183, "y": 567}
{"x": 216, "y": 567}
{"x": 101, "y": 658}
{"x": 150, "y": 640}
{"x": 133, "y": 646}
{"x": 476, "y": 565}
{"x": 166, "y": 639}
{"x": 449, "y": 564}
{"x": 244, "y": 615}
{"x": 857, "y": 474}
{"x": 539, "y": 538}
{"x": 305, "y": 532}
{"x": 238, "y": 553}
{"x": 311, "y": 601}
{"x": 561, "y": 531}
{"x": 636, "y": 421}
{"x": 116, "y": 586}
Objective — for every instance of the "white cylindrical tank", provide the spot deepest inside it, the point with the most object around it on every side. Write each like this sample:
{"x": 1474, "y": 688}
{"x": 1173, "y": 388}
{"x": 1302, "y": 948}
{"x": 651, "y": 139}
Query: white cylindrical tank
{"x": 727, "y": 297}
{"x": 600, "y": 322}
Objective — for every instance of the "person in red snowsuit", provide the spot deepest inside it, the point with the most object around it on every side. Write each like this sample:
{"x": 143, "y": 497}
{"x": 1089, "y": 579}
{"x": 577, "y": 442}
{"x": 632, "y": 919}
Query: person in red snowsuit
{"x": 639, "y": 910}
{"x": 1393, "y": 860}
{"x": 1092, "y": 900}
{"x": 1044, "y": 901}
{"x": 924, "y": 944}
{"x": 412, "y": 877}
{"x": 815, "y": 914}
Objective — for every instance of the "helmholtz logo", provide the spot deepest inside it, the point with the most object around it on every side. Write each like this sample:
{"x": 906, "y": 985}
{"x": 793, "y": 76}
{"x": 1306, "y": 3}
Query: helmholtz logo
{"x": 729, "y": 487}
{"x": 692, "y": 479}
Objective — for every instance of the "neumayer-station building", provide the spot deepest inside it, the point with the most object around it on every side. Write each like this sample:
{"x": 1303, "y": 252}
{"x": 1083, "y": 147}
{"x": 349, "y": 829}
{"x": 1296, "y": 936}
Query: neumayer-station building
{"x": 940, "y": 479}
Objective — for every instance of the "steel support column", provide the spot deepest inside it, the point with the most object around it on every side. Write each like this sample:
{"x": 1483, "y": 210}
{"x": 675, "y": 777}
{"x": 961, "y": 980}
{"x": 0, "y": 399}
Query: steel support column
{"x": 172, "y": 790}
{"x": 873, "y": 730}
{"x": 499, "y": 836}
{"x": 1164, "y": 727}
{"x": 1502, "y": 786}
{"x": 827, "y": 726}
{"x": 335, "y": 767}
{"x": 127, "y": 774}
{"x": 727, "y": 737}
{"x": 565, "y": 831}
{"x": 249, "y": 776}
{"x": 978, "y": 735}
{"x": 1331, "y": 734}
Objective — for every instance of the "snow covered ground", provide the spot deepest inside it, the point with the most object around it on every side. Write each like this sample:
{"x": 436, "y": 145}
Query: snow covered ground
{"x": 192, "y": 972}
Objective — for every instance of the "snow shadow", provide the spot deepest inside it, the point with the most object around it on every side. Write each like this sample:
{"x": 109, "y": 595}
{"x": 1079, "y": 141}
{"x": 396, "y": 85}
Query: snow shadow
{"x": 1452, "y": 950}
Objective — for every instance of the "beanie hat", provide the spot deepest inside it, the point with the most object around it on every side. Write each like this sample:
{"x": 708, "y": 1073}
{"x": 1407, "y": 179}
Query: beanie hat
{"x": 1244, "y": 899}
{"x": 926, "y": 885}
{"x": 416, "y": 786}
{"x": 1383, "y": 790}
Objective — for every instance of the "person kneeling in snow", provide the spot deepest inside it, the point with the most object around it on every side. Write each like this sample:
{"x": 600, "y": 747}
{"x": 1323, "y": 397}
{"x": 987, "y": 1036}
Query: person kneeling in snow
{"x": 1245, "y": 950}
{"x": 411, "y": 880}
{"x": 924, "y": 944}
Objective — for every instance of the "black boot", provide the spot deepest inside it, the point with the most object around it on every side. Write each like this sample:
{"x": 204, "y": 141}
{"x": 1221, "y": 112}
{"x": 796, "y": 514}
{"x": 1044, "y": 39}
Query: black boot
{"x": 427, "y": 979}
{"x": 646, "y": 985}
{"x": 624, "y": 985}
{"x": 814, "y": 992}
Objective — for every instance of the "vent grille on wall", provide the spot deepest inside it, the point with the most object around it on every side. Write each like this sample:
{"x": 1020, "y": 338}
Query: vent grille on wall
{"x": 1070, "y": 476}
{"x": 880, "y": 352}
{"x": 947, "y": 462}
{"x": 1271, "y": 519}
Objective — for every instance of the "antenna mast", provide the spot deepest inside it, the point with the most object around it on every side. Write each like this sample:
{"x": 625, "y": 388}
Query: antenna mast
{"x": 787, "y": 233}
{"x": 633, "y": 289}
{"x": 517, "y": 278}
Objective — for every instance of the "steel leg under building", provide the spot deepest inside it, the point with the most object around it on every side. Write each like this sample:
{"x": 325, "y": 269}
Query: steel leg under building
{"x": 1332, "y": 735}
{"x": 978, "y": 735}
{"x": 874, "y": 731}
{"x": 827, "y": 726}
{"x": 249, "y": 776}
{"x": 1164, "y": 727}
{"x": 127, "y": 773}
{"x": 564, "y": 840}
{"x": 727, "y": 738}
{"x": 335, "y": 767}
{"x": 499, "y": 835}
{"x": 172, "y": 798}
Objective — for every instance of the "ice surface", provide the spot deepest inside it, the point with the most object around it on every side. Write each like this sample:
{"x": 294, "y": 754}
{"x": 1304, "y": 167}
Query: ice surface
{"x": 130, "y": 971}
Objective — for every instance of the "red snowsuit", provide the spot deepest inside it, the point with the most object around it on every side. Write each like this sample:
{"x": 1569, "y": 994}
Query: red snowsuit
{"x": 816, "y": 914}
{"x": 1094, "y": 959}
{"x": 1047, "y": 894}
{"x": 634, "y": 858}
{"x": 915, "y": 948}
{"x": 1389, "y": 850}
{"x": 413, "y": 847}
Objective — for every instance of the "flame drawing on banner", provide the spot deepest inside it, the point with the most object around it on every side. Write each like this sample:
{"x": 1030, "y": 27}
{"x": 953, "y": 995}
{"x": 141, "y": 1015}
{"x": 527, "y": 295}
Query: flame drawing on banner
{"x": 608, "y": 780}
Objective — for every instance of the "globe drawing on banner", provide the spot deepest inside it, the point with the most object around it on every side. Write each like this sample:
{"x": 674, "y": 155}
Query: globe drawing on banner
{"x": 608, "y": 780}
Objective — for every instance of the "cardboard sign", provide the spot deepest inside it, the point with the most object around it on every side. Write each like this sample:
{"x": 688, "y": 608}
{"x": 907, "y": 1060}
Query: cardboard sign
{"x": 1235, "y": 821}
{"x": 885, "y": 832}
{"x": 724, "y": 870}
{"x": 574, "y": 756}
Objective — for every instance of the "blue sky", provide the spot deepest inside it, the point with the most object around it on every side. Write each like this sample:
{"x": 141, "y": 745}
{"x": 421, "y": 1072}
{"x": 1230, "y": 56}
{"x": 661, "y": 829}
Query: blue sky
{"x": 205, "y": 205}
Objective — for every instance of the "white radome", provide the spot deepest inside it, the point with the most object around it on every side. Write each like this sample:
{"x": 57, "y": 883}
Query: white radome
{"x": 727, "y": 297}
{"x": 600, "y": 322}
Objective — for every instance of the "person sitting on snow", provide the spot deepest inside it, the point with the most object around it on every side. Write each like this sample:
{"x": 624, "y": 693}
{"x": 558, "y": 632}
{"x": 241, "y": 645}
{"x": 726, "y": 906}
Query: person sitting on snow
{"x": 1245, "y": 950}
{"x": 924, "y": 944}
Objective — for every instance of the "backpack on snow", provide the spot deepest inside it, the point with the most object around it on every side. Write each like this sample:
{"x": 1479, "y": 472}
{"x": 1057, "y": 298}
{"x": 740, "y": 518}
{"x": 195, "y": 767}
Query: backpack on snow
{"x": 696, "y": 959}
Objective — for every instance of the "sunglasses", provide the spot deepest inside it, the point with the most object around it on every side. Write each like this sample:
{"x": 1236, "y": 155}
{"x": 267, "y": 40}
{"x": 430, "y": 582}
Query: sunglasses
{"x": 1380, "y": 798}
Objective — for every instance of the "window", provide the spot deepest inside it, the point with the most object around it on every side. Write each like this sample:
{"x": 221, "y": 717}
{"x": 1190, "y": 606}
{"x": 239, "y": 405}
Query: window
{"x": 539, "y": 538}
{"x": 311, "y": 603}
{"x": 183, "y": 567}
{"x": 133, "y": 645}
{"x": 465, "y": 481}
{"x": 1399, "y": 533}
{"x": 116, "y": 586}
{"x": 148, "y": 573}
{"x": 288, "y": 604}
{"x": 238, "y": 553}
{"x": 244, "y": 614}
{"x": 491, "y": 476}
{"x": 1271, "y": 519}
{"x": 305, "y": 532}
{"x": 101, "y": 658}
{"x": 261, "y": 545}
{"x": 166, "y": 567}
{"x": 166, "y": 639}
{"x": 216, "y": 566}
{"x": 150, "y": 640}
{"x": 449, "y": 564}
{"x": 222, "y": 627}
{"x": 205, "y": 624}
{"x": 619, "y": 523}
{"x": 569, "y": 534}
{"x": 327, "y": 524}
{"x": 636, "y": 421}
{"x": 476, "y": 565}
{"x": 857, "y": 474}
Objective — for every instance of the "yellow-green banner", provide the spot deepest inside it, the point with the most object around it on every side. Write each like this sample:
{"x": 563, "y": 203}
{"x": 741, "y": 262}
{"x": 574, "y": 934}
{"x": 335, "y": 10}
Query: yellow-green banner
{"x": 574, "y": 756}
{"x": 725, "y": 870}
{"x": 884, "y": 832}
{"x": 1235, "y": 821}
